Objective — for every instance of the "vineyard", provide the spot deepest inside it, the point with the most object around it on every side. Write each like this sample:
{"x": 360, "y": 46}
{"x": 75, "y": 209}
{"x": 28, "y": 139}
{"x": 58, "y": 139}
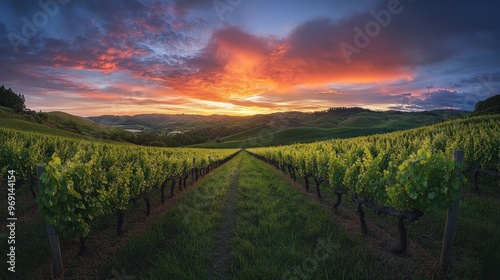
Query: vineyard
{"x": 408, "y": 175}
{"x": 84, "y": 180}
{"x": 403, "y": 174}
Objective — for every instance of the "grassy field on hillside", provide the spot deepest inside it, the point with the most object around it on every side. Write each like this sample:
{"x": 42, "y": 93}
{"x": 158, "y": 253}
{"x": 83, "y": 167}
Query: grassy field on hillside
{"x": 57, "y": 124}
{"x": 311, "y": 128}
{"x": 268, "y": 137}
{"x": 38, "y": 128}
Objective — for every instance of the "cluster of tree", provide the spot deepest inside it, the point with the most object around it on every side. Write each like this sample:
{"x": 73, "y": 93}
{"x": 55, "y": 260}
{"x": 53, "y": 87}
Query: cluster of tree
{"x": 341, "y": 111}
{"x": 488, "y": 106}
{"x": 10, "y": 99}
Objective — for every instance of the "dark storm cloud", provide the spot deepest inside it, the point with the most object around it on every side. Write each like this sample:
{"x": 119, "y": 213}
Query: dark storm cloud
{"x": 3, "y": 29}
{"x": 183, "y": 6}
{"x": 20, "y": 8}
{"x": 446, "y": 98}
{"x": 403, "y": 98}
{"x": 107, "y": 36}
{"x": 434, "y": 31}
{"x": 441, "y": 99}
{"x": 492, "y": 77}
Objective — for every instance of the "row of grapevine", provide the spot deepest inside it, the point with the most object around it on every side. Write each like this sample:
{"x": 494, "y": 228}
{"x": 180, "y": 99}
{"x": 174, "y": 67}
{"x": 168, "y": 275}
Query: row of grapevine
{"x": 84, "y": 180}
{"x": 403, "y": 173}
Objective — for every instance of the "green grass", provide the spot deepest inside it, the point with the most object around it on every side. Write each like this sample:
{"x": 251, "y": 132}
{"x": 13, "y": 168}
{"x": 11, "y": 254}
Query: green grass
{"x": 178, "y": 245}
{"x": 77, "y": 124}
{"x": 278, "y": 233}
{"x": 31, "y": 237}
{"x": 281, "y": 235}
{"x": 58, "y": 124}
{"x": 310, "y": 127}
{"x": 268, "y": 136}
{"x": 38, "y": 128}
{"x": 261, "y": 130}
{"x": 176, "y": 238}
{"x": 477, "y": 239}
{"x": 475, "y": 249}
{"x": 362, "y": 121}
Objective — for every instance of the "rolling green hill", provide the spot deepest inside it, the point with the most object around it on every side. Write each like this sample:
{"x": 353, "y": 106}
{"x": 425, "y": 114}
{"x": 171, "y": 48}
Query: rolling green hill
{"x": 324, "y": 126}
{"x": 60, "y": 124}
{"x": 488, "y": 106}
{"x": 274, "y": 129}
{"x": 217, "y": 131}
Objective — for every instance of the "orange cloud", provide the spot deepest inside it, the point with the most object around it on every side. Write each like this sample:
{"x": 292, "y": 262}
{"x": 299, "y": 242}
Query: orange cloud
{"x": 238, "y": 64}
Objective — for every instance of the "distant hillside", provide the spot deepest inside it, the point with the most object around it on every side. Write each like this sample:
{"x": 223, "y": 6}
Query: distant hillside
{"x": 329, "y": 125}
{"x": 60, "y": 124}
{"x": 488, "y": 106}
{"x": 221, "y": 130}
{"x": 273, "y": 129}
{"x": 165, "y": 123}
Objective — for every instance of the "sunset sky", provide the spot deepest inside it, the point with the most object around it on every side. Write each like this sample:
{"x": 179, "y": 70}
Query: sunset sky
{"x": 243, "y": 57}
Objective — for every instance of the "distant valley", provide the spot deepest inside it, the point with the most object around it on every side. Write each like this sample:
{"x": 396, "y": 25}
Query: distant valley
{"x": 272, "y": 129}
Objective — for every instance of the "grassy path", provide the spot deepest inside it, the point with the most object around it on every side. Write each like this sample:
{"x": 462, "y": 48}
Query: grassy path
{"x": 282, "y": 235}
{"x": 225, "y": 231}
{"x": 246, "y": 222}
{"x": 180, "y": 245}
{"x": 475, "y": 248}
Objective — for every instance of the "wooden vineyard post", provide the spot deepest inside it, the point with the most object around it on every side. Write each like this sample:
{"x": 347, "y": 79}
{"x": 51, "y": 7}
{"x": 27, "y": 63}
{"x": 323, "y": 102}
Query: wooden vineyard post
{"x": 192, "y": 171}
{"x": 53, "y": 236}
{"x": 208, "y": 167}
{"x": 451, "y": 220}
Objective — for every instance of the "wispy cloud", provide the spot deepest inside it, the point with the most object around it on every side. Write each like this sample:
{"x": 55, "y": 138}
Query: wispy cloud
{"x": 176, "y": 56}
